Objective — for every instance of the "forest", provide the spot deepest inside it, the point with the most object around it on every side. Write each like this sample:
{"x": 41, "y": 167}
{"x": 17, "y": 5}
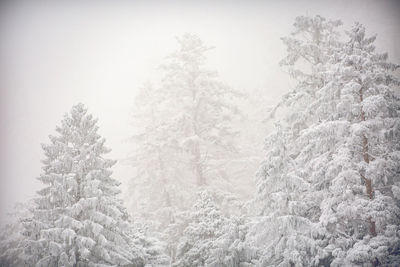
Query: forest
{"x": 326, "y": 185}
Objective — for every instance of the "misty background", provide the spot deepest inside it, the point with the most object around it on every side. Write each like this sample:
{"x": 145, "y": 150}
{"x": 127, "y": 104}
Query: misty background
{"x": 54, "y": 55}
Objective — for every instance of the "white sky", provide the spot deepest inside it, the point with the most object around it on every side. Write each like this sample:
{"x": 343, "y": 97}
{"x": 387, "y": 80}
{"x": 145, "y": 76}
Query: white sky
{"x": 55, "y": 55}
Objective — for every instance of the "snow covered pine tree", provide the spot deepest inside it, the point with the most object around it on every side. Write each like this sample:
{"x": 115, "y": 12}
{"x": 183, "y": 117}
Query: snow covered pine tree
{"x": 78, "y": 219}
{"x": 361, "y": 213}
{"x": 187, "y": 126}
{"x": 329, "y": 181}
{"x": 287, "y": 202}
{"x": 212, "y": 239}
{"x": 185, "y": 139}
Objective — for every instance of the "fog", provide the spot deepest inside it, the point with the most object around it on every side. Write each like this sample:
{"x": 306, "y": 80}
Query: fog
{"x": 54, "y": 55}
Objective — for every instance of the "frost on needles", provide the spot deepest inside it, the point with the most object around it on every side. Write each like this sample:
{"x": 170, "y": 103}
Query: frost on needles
{"x": 328, "y": 185}
{"x": 77, "y": 218}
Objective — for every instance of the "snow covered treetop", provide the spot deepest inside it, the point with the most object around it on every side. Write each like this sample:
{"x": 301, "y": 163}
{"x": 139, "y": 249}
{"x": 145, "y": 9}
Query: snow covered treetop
{"x": 78, "y": 219}
{"x": 79, "y": 126}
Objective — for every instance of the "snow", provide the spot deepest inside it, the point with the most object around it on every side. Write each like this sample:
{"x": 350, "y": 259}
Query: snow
{"x": 327, "y": 188}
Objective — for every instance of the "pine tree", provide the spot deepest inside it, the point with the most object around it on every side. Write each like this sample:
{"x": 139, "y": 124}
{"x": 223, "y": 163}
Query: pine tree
{"x": 148, "y": 242}
{"x": 330, "y": 175}
{"x": 289, "y": 211}
{"x": 212, "y": 238}
{"x": 156, "y": 157}
{"x": 361, "y": 214}
{"x": 230, "y": 249}
{"x": 78, "y": 219}
{"x": 309, "y": 47}
{"x": 204, "y": 227}
{"x": 205, "y": 109}
{"x": 186, "y": 134}
{"x": 184, "y": 139}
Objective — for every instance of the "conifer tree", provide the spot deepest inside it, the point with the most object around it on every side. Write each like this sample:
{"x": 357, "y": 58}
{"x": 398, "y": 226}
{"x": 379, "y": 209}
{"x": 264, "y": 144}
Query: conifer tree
{"x": 205, "y": 109}
{"x": 205, "y": 225}
{"x": 184, "y": 139}
{"x": 361, "y": 212}
{"x": 285, "y": 232}
{"x": 211, "y": 238}
{"x": 186, "y": 121}
{"x": 156, "y": 157}
{"x": 78, "y": 219}
{"x": 330, "y": 175}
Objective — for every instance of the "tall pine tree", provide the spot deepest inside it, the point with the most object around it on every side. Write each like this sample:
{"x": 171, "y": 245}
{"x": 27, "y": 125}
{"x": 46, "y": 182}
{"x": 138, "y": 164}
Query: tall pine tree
{"x": 285, "y": 232}
{"x": 78, "y": 219}
{"x": 184, "y": 131}
{"x": 184, "y": 141}
{"x": 330, "y": 177}
{"x": 361, "y": 212}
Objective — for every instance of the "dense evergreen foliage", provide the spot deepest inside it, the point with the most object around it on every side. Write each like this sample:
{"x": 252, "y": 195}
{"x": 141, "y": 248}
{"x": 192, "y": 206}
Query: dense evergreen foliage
{"x": 327, "y": 189}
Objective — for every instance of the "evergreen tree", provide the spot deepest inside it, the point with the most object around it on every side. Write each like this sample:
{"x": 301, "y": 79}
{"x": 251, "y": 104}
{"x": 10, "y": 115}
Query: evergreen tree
{"x": 328, "y": 181}
{"x": 186, "y": 131}
{"x": 78, "y": 219}
{"x": 204, "y": 227}
{"x": 148, "y": 242}
{"x": 184, "y": 139}
{"x": 309, "y": 47}
{"x": 361, "y": 214}
{"x": 211, "y": 238}
{"x": 285, "y": 232}
{"x": 230, "y": 249}
{"x": 156, "y": 158}
{"x": 205, "y": 109}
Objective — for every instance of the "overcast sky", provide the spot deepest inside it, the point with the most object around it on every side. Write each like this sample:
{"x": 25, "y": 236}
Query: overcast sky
{"x": 55, "y": 55}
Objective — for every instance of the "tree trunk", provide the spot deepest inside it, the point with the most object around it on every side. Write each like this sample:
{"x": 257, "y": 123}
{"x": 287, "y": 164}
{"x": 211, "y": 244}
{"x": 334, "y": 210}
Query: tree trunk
{"x": 167, "y": 197}
{"x": 198, "y": 168}
{"x": 199, "y": 176}
{"x": 368, "y": 182}
{"x": 196, "y": 164}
